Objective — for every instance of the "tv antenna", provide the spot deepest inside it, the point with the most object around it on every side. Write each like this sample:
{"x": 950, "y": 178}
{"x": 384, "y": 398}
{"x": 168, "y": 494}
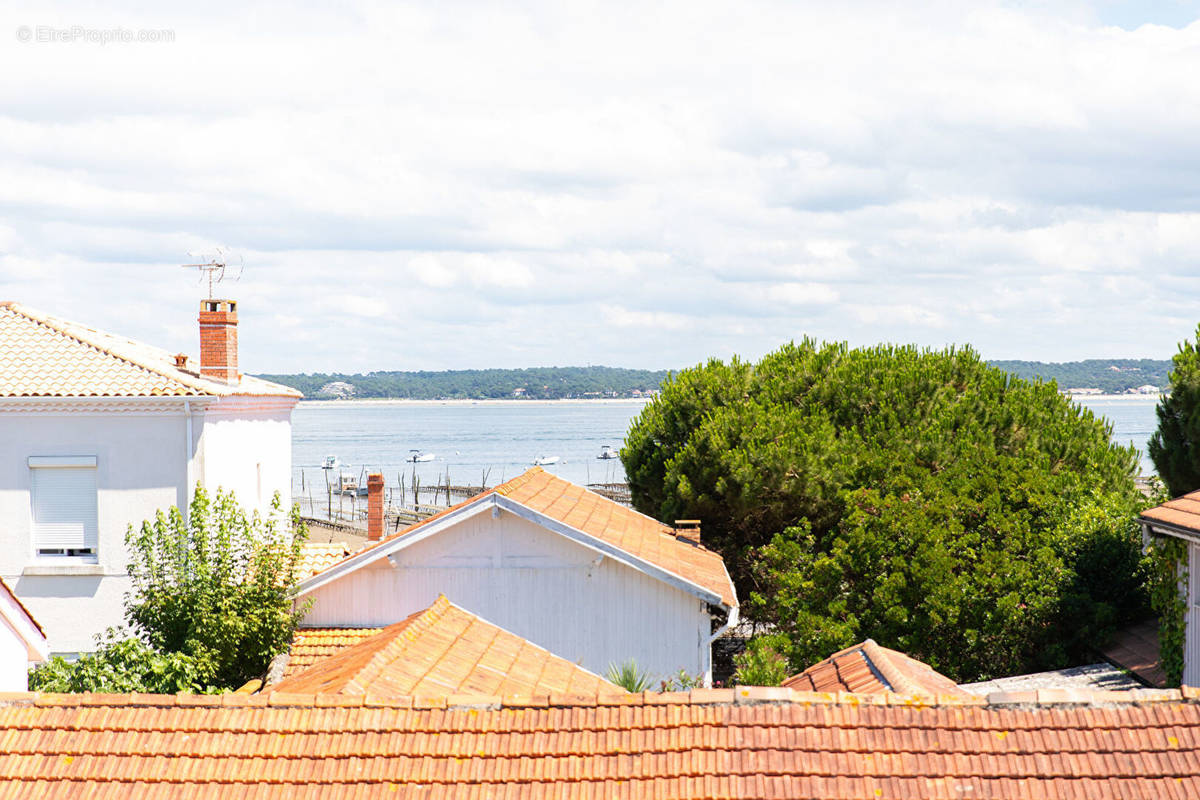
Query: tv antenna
{"x": 214, "y": 265}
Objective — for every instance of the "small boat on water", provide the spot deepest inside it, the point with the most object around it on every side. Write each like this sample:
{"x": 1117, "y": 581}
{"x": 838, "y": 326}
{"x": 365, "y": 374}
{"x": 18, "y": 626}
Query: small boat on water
{"x": 545, "y": 461}
{"x": 418, "y": 457}
{"x": 331, "y": 462}
{"x": 607, "y": 452}
{"x": 347, "y": 483}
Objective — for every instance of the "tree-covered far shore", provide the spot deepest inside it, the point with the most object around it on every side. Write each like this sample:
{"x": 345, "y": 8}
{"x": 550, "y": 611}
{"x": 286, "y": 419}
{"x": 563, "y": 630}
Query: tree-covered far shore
{"x": 1113, "y": 376}
{"x": 535, "y": 383}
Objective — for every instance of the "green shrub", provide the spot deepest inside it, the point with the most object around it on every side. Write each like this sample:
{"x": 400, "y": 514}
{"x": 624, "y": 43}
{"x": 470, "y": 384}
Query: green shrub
{"x": 120, "y": 663}
{"x": 218, "y": 586}
{"x": 629, "y": 676}
{"x": 761, "y": 663}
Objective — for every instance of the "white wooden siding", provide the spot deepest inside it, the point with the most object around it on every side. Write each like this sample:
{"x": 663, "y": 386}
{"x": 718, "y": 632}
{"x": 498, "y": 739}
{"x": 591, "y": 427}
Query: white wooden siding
{"x": 1191, "y": 647}
{"x": 558, "y": 594}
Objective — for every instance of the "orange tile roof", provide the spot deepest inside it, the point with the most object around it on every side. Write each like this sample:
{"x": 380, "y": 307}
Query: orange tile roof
{"x": 1182, "y": 512}
{"x": 311, "y": 645}
{"x": 43, "y": 356}
{"x": 636, "y": 534}
{"x": 868, "y": 668}
{"x": 318, "y": 556}
{"x": 748, "y": 742}
{"x": 445, "y": 650}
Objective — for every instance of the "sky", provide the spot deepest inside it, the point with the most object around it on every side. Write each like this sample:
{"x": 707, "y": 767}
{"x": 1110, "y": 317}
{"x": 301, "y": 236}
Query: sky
{"x": 467, "y": 184}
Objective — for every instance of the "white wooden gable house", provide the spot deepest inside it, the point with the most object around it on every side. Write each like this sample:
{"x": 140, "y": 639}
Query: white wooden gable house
{"x": 580, "y": 575}
{"x": 98, "y": 432}
{"x": 1180, "y": 518}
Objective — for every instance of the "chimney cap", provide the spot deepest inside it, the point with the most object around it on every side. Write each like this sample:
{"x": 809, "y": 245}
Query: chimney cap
{"x": 218, "y": 305}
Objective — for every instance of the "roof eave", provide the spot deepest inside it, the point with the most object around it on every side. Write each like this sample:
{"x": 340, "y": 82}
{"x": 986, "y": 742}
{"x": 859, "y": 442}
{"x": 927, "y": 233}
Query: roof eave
{"x": 1152, "y": 525}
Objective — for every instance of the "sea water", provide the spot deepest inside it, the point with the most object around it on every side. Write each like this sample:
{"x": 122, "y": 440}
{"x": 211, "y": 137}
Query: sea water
{"x": 471, "y": 442}
{"x": 491, "y": 441}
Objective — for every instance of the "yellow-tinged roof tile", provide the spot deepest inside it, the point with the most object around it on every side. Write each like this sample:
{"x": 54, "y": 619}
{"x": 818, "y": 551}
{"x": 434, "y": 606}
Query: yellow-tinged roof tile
{"x": 42, "y": 356}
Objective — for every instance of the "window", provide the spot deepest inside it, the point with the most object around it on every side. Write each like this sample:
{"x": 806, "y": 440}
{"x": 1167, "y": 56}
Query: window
{"x": 62, "y": 495}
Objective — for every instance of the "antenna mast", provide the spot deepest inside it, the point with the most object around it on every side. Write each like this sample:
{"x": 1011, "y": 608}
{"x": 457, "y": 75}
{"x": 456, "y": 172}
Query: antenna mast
{"x": 213, "y": 265}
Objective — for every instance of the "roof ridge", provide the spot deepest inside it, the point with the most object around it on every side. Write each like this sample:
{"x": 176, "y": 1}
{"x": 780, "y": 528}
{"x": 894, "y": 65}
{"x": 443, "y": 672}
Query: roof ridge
{"x": 881, "y": 658}
{"x": 50, "y": 322}
{"x": 396, "y": 639}
{"x": 738, "y": 695}
{"x": 515, "y": 482}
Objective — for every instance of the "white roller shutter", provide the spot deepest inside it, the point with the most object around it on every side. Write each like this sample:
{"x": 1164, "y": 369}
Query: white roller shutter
{"x": 63, "y": 495}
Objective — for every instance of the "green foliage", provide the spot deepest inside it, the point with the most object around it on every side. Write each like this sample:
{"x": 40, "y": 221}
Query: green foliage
{"x": 1175, "y": 446}
{"x": 761, "y": 663}
{"x": 217, "y": 587}
{"x": 921, "y": 498}
{"x": 538, "y": 383}
{"x": 629, "y": 676}
{"x": 120, "y": 663}
{"x": 680, "y": 682}
{"x": 1168, "y": 576}
{"x": 1113, "y": 376}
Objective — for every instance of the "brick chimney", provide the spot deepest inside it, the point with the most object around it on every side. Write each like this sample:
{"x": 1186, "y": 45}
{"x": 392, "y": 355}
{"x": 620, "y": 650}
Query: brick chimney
{"x": 688, "y": 530}
{"x": 218, "y": 340}
{"x": 374, "y": 506}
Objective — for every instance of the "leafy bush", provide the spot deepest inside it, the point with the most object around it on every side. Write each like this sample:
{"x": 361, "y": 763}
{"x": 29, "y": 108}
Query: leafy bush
{"x": 217, "y": 587}
{"x": 921, "y": 498}
{"x": 120, "y": 663}
{"x": 629, "y": 676}
{"x": 211, "y": 604}
{"x": 761, "y": 663}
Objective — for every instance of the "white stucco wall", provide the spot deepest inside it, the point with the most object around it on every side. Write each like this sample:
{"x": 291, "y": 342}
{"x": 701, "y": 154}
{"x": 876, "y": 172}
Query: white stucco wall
{"x": 245, "y": 445}
{"x": 143, "y": 464}
{"x": 536, "y": 584}
{"x": 139, "y": 469}
{"x": 14, "y": 660}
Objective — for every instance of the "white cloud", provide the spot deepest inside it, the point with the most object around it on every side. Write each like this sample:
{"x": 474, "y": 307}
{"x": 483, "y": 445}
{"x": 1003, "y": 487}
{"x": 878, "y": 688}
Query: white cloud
{"x": 636, "y": 186}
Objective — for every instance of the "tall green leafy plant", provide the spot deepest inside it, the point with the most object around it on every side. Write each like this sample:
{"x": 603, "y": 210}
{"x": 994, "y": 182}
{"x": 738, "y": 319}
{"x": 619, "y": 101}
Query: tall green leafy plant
{"x": 1175, "y": 446}
{"x": 218, "y": 586}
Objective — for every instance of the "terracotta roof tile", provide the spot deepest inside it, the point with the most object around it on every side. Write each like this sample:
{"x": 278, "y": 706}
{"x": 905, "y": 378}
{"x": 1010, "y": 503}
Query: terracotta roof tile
{"x": 779, "y": 745}
{"x": 440, "y": 651}
{"x": 318, "y": 556}
{"x": 311, "y": 645}
{"x": 637, "y": 534}
{"x": 867, "y": 668}
{"x": 1181, "y": 512}
{"x": 43, "y": 356}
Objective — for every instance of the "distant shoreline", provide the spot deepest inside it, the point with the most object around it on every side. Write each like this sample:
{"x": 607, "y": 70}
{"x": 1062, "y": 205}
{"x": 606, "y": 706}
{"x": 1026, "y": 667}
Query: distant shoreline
{"x": 1148, "y": 398}
{"x": 501, "y": 401}
{"x": 493, "y": 401}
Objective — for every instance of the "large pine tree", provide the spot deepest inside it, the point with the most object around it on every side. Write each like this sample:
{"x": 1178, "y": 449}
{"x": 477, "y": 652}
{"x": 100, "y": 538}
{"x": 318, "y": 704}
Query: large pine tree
{"x": 1175, "y": 446}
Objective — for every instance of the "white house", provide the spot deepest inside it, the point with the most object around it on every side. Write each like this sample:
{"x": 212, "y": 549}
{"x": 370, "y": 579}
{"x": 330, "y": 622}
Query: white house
{"x": 22, "y": 642}
{"x": 580, "y": 575}
{"x": 98, "y": 432}
{"x": 1180, "y": 518}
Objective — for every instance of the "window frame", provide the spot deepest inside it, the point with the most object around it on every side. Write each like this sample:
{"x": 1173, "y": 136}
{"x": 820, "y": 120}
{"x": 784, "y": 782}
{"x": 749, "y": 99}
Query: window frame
{"x": 63, "y": 555}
